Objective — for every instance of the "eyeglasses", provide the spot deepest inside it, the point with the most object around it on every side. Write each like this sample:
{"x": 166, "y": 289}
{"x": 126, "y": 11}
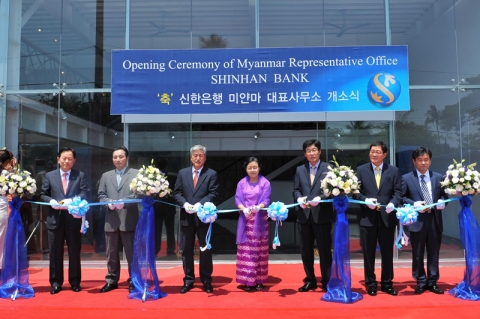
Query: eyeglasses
{"x": 376, "y": 152}
{"x": 254, "y": 168}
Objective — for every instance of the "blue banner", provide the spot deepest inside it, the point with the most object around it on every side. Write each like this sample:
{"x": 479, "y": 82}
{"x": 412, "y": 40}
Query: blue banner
{"x": 311, "y": 79}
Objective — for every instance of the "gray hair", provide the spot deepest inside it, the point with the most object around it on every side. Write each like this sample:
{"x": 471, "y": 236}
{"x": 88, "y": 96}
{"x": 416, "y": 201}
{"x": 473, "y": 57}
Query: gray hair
{"x": 198, "y": 148}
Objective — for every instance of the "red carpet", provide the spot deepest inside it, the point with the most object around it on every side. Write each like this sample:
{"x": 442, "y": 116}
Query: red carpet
{"x": 280, "y": 298}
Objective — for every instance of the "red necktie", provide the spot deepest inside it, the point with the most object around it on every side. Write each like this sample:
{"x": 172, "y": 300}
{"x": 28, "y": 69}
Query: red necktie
{"x": 65, "y": 182}
{"x": 195, "y": 179}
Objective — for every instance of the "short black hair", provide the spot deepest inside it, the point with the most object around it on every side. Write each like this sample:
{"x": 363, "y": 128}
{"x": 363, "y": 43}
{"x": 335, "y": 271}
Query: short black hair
{"x": 121, "y": 148}
{"x": 251, "y": 159}
{"x": 311, "y": 142}
{"x": 421, "y": 151}
{"x": 381, "y": 144}
{"x": 67, "y": 149}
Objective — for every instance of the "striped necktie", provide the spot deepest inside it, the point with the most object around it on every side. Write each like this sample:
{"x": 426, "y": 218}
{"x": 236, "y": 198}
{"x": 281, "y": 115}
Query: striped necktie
{"x": 425, "y": 191}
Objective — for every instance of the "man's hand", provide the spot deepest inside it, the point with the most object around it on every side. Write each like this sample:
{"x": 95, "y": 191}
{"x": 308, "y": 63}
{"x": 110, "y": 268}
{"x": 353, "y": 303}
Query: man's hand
{"x": 66, "y": 202}
{"x": 196, "y": 207}
{"x": 119, "y": 205}
{"x": 302, "y": 202}
{"x": 371, "y": 203}
{"x": 55, "y": 204}
{"x": 111, "y": 206}
{"x": 188, "y": 208}
{"x": 390, "y": 208}
{"x": 418, "y": 204}
{"x": 442, "y": 205}
{"x": 315, "y": 201}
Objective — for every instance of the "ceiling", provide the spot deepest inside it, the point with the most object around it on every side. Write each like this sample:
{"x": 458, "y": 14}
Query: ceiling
{"x": 81, "y": 29}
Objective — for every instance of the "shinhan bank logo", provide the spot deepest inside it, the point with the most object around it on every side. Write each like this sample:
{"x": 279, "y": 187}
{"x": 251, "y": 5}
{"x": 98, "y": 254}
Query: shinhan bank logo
{"x": 383, "y": 89}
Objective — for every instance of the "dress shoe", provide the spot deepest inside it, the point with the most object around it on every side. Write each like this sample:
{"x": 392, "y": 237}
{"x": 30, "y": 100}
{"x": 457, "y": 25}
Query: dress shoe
{"x": 76, "y": 288}
{"x": 108, "y": 287}
{"x": 372, "y": 291}
{"x": 259, "y": 287}
{"x": 435, "y": 289}
{"x": 308, "y": 286}
{"x": 55, "y": 290}
{"x": 185, "y": 288}
{"x": 208, "y": 288}
{"x": 390, "y": 291}
{"x": 420, "y": 289}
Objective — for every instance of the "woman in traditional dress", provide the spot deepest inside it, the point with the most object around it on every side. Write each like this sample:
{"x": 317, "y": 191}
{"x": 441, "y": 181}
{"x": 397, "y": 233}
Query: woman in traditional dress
{"x": 253, "y": 193}
{"x": 7, "y": 163}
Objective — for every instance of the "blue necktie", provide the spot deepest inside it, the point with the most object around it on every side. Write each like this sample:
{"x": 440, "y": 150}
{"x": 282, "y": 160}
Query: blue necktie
{"x": 119, "y": 178}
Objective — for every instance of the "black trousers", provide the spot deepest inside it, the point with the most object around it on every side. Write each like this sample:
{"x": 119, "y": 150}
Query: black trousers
{"x": 206, "y": 264}
{"x": 429, "y": 237}
{"x": 322, "y": 233}
{"x": 56, "y": 240}
{"x": 385, "y": 236}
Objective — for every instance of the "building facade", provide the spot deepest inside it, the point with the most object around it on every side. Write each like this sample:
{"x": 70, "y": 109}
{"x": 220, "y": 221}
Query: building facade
{"x": 55, "y": 85}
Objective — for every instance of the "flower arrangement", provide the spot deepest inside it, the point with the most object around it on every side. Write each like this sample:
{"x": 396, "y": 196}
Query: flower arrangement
{"x": 277, "y": 211}
{"x": 461, "y": 180}
{"x": 17, "y": 182}
{"x": 150, "y": 181}
{"x": 207, "y": 213}
{"x": 340, "y": 180}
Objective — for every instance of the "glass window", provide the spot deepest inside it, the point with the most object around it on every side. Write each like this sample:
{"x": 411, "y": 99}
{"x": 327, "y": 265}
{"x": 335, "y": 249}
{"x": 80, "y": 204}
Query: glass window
{"x": 321, "y": 23}
{"x": 188, "y": 24}
{"x": 428, "y": 28}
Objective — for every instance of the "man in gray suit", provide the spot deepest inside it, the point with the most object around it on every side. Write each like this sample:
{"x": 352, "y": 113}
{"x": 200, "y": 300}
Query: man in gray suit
{"x": 120, "y": 219}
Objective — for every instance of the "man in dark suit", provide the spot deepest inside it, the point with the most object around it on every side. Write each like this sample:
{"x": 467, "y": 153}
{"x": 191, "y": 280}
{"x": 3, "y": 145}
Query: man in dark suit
{"x": 120, "y": 219}
{"x": 58, "y": 188}
{"x": 380, "y": 184}
{"x": 422, "y": 187}
{"x": 314, "y": 221}
{"x": 195, "y": 186}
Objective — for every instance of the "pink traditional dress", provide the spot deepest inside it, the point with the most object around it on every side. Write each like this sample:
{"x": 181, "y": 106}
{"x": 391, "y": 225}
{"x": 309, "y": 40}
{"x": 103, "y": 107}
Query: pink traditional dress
{"x": 3, "y": 224}
{"x": 252, "y": 233}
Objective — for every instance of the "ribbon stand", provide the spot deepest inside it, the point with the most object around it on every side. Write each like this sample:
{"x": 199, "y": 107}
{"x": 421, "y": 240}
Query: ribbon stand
{"x": 469, "y": 288}
{"x": 339, "y": 287}
{"x": 144, "y": 271}
{"x": 14, "y": 280}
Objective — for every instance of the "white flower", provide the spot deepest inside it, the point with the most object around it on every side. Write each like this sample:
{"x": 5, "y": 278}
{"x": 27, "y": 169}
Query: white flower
{"x": 149, "y": 182}
{"x": 450, "y": 167}
{"x": 455, "y": 180}
{"x": 455, "y": 173}
{"x": 459, "y": 188}
{"x": 339, "y": 180}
